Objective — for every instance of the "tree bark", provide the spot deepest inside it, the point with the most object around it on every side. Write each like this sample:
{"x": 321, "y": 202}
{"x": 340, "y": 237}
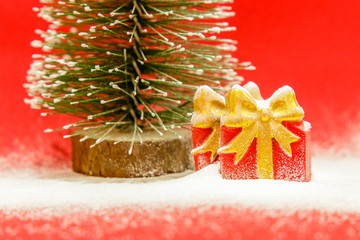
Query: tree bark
{"x": 156, "y": 155}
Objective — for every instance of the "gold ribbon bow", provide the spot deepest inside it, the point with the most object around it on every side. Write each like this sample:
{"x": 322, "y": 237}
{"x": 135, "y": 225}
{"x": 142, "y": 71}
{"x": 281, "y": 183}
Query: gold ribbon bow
{"x": 208, "y": 108}
{"x": 260, "y": 119}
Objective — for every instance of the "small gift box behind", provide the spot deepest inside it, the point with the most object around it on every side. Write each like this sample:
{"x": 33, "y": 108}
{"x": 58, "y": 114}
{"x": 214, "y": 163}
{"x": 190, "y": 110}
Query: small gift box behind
{"x": 265, "y": 139}
{"x": 208, "y": 108}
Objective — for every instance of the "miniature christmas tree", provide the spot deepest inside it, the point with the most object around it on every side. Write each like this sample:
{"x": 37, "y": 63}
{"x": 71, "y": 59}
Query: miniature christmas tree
{"x": 129, "y": 65}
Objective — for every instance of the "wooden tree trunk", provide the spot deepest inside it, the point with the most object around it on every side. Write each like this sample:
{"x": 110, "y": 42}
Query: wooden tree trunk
{"x": 156, "y": 155}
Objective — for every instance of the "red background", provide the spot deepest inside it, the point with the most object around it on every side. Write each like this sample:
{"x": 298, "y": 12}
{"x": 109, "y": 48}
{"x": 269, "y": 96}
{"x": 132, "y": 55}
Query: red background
{"x": 312, "y": 46}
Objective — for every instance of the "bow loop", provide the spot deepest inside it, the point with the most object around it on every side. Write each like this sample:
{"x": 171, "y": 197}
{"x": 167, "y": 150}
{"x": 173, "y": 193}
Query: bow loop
{"x": 241, "y": 108}
{"x": 208, "y": 107}
{"x": 254, "y": 90}
{"x": 284, "y": 106}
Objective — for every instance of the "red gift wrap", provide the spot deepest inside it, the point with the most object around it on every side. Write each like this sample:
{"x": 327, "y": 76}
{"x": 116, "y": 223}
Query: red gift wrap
{"x": 293, "y": 168}
{"x": 199, "y": 136}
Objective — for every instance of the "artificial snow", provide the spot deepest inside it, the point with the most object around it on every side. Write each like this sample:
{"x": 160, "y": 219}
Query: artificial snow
{"x": 334, "y": 187}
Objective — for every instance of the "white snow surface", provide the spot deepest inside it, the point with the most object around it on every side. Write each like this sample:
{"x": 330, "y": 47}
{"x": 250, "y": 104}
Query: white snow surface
{"x": 334, "y": 187}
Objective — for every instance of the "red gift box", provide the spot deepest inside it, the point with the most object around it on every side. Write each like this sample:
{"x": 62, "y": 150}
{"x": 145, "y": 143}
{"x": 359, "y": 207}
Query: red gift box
{"x": 293, "y": 168}
{"x": 264, "y": 139}
{"x": 208, "y": 108}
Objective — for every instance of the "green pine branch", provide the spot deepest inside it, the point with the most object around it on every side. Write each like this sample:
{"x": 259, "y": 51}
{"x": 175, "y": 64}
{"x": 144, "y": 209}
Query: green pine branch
{"x": 129, "y": 64}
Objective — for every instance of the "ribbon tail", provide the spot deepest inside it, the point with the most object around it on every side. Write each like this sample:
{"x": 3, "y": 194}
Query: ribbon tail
{"x": 284, "y": 137}
{"x": 241, "y": 143}
{"x": 211, "y": 144}
{"x": 265, "y": 168}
